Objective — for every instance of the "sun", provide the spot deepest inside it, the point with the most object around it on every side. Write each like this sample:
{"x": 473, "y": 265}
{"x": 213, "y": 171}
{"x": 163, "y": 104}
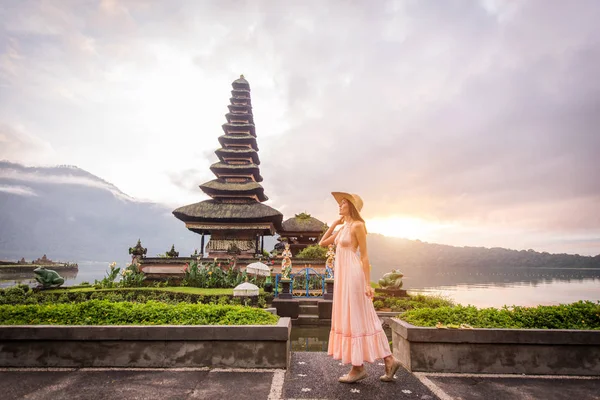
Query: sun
{"x": 405, "y": 227}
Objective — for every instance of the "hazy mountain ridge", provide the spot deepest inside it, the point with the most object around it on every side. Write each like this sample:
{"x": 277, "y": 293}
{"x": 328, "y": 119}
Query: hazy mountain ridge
{"x": 416, "y": 256}
{"x": 75, "y": 219}
{"x": 91, "y": 219}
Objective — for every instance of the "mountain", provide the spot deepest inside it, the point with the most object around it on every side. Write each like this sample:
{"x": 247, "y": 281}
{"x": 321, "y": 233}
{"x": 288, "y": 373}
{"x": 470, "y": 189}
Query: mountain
{"x": 429, "y": 264}
{"x": 72, "y": 215}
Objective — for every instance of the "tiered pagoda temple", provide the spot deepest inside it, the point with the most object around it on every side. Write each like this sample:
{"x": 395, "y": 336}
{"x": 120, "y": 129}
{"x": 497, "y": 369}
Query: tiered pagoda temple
{"x": 234, "y": 217}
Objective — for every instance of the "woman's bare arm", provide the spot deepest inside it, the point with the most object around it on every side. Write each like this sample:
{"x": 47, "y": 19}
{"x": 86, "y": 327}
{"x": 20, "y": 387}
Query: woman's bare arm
{"x": 329, "y": 236}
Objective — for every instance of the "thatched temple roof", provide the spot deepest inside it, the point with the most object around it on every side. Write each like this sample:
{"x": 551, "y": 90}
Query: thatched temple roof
{"x": 215, "y": 211}
{"x": 222, "y": 168}
{"x": 220, "y": 188}
{"x": 302, "y": 223}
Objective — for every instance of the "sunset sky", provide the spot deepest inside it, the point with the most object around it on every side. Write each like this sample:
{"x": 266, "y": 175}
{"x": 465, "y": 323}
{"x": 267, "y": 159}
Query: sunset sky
{"x": 459, "y": 122}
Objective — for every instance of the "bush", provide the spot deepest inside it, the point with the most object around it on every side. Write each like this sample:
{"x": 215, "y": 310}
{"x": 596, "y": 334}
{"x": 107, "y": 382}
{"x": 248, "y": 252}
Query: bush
{"x": 313, "y": 252}
{"x": 580, "y": 315}
{"x": 17, "y": 295}
{"x": 212, "y": 275}
{"x": 401, "y": 304}
{"x": 104, "y": 312}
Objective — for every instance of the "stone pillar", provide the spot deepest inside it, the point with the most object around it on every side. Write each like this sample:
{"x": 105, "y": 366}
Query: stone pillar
{"x": 328, "y": 289}
{"x": 286, "y": 292}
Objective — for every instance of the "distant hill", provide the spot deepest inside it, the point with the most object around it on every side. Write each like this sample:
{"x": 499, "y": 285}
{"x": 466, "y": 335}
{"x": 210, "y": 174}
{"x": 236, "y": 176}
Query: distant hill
{"x": 72, "y": 215}
{"x": 429, "y": 260}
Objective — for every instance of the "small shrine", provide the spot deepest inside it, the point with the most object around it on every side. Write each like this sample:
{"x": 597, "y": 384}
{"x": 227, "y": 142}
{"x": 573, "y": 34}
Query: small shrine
{"x": 43, "y": 261}
{"x": 234, "y": 217}
{"x": 172, "y": 253}
{"x": 301, "y": 231}
{"x": 137, "y": 251}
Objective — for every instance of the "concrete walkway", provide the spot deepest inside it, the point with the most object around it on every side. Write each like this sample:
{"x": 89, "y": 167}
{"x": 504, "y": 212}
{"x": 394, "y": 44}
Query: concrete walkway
{"x": 311, "y": 376}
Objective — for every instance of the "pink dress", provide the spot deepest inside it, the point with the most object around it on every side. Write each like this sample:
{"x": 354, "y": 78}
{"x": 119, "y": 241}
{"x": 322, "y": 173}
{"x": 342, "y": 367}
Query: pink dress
{"x": 356, "y": 334}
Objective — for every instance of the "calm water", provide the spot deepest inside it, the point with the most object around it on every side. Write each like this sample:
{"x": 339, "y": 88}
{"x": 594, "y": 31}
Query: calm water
{"x": 520, "y": 293}
{"x": 492, "y": 288}
{"x": 88, "y": 272}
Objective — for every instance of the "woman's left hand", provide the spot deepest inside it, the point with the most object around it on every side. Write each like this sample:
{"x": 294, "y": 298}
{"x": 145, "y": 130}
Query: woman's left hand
{"x": 369, "y": 291}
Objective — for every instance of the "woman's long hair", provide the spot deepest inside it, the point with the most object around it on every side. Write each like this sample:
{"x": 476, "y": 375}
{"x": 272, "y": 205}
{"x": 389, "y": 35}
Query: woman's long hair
{"x": 355, "y": 215}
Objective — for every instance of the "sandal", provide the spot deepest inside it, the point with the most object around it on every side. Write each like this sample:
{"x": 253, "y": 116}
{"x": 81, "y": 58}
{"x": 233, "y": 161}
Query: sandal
{"x": 348, "y": 379}
{"x": 389, "y": 375}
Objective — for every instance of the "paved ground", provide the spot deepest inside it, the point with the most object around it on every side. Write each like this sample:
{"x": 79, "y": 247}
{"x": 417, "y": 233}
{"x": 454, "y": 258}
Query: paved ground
{"x": 314, "y": 376}
{"x": 90, "y": 384}
{"x": 311, "y": 376}
{"x": 509, "y": 387}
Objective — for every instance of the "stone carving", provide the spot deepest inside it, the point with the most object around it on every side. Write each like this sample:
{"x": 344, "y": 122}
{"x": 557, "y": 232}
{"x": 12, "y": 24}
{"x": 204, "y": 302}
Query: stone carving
{"x": 48, "y": 277}
{"x": 329, "y": 263}
{"x": 286, "y": 262}
{"x": 138, "y": 251}
{"x": 391, "y": 280}
{"x": 172, "y": 253}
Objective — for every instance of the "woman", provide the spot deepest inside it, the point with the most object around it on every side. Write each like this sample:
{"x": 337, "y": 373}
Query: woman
{"x": 356, "y": 334}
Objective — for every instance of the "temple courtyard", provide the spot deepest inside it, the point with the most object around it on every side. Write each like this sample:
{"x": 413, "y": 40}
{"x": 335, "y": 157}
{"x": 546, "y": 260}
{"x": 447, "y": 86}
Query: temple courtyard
{"x": 311, "y": 376}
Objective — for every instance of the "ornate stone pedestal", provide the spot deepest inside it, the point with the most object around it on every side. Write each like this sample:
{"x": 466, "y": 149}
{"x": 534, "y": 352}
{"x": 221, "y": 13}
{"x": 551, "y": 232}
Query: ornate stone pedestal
{"x": 286, "y": 293}
{"x": 328, "y": 289}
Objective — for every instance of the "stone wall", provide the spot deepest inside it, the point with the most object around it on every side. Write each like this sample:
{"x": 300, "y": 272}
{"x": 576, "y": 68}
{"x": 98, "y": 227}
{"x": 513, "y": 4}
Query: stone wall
{"x": 245, "y": 346}
{"x": 496, "y": 351}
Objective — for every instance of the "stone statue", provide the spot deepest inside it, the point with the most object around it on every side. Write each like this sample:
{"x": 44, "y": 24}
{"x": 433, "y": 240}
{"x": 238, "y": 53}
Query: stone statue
{"x": 391, "y": 280}
{"x": 48, "y": 277}
{"x": 329, "y": 264}
{"x": 286, "y": 262}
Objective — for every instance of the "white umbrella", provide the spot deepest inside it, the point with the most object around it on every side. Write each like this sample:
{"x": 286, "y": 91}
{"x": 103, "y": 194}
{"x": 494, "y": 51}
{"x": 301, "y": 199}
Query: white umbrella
{"x": 245, "y": 289}
{"x": 258, "y": 268}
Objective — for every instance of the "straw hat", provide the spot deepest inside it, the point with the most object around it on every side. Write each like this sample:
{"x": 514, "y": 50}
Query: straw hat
{"x": 353, "y": 199}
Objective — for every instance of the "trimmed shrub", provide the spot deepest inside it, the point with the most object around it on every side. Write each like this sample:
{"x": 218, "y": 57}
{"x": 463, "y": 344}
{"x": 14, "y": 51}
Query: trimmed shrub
{"x": 105, "y": 312}
{"x": 579, "y": 315}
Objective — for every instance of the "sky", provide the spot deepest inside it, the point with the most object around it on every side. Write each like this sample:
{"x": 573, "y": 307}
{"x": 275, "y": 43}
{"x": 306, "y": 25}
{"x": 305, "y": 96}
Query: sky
{"x": 469, "y": 123}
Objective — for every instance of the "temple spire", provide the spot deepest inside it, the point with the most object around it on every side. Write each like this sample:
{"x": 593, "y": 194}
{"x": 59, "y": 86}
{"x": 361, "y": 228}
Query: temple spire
{"x": 237, "y": 170}
{"x": 234, "y": 217}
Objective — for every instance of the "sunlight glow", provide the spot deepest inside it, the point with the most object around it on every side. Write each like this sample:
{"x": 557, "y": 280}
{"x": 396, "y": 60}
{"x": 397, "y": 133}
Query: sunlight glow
{"x": 405, "y": 227}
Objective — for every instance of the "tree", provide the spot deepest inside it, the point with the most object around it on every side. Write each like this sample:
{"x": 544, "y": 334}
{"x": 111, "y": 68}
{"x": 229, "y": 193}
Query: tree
{"x": 313, "y": 252}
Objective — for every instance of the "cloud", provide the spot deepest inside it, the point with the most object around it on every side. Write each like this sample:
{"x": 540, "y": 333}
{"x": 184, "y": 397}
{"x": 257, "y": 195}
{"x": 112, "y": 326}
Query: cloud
{"x": 32, "y": 175}
{"x": 475, "y": 113}
{"x": 16, "y": 143}
{"x": 18, "y": 190}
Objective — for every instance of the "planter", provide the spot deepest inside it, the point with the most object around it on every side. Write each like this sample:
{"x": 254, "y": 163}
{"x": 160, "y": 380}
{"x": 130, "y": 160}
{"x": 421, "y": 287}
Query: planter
{"x": 496, "y": 351}
{"x": 241, "y": 346}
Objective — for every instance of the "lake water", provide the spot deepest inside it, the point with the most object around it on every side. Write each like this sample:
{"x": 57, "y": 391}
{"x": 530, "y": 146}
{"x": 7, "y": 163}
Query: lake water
{"x": 490, "y": 288}
{"x": 88, "y": 272}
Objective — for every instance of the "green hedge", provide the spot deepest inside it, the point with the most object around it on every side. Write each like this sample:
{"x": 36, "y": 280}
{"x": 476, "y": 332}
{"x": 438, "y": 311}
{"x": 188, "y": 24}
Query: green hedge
{"x": 401, "y": 304}
{"x": 580, "y": 315}
{"x": 105, "y": 312}
{"x": 24, "y": 295}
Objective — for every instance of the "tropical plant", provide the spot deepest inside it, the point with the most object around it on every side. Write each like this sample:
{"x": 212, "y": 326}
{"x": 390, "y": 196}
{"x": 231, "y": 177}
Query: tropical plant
{"x": 313, "y": 252}
{"x": 109, "y": 280}
{"x": 131, "y": 276}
